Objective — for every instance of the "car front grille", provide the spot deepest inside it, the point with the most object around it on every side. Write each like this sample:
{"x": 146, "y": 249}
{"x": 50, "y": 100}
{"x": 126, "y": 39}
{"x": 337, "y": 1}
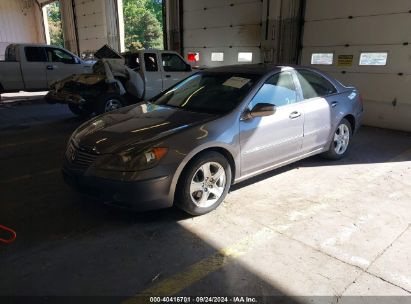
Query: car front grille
{"x": 78, "y": 158}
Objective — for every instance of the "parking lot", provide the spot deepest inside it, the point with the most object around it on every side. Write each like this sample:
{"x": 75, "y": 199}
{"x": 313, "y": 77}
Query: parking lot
{"x": 312, "y": 228}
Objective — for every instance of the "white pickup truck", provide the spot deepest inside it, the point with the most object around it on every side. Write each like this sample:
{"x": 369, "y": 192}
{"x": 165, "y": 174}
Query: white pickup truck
{"x": 119, "y": 80}
{"x": 34, "y": 67}
{"x": 159, "y": 69}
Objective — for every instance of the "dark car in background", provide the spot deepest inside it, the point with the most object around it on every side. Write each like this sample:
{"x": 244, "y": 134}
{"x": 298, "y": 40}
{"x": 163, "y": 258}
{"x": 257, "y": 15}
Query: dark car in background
{"x": 216, "y": 128}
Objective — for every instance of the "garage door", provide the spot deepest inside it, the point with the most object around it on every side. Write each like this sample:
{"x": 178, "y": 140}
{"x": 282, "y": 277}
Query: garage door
{"x": 91, "y": 28}
{"x": 221, "y": 32}
{"x": 367, "y": 44}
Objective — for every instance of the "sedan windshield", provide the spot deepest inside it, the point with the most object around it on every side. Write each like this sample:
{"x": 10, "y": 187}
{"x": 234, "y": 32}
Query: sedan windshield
{"x": 215, "y": 93}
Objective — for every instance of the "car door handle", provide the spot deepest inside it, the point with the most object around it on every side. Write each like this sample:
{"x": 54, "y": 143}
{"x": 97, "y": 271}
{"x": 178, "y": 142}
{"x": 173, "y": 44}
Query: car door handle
{"x": 50, "y": 67}
{"x": 168, "y": 76}
{"x": 334, "y": 104}
{"x": 295, "y": 115}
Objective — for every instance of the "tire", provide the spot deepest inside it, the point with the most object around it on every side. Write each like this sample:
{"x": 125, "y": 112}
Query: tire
{"x": 109, "y": 102}
{"x": 197, "y": 192}
{"x": 77, "y": 110}
{"x": 340, "y": 142}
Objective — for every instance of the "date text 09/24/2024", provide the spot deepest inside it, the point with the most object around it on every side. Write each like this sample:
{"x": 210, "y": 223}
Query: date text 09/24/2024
{"x": 240, "y": 299}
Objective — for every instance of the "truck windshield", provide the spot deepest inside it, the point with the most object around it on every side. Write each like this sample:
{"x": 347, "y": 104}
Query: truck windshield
{"x": 215, "y": 93}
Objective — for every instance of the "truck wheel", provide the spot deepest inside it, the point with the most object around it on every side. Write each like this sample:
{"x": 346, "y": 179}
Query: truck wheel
{"x": 109, "y": 102}
{"x": 79, "y": 111}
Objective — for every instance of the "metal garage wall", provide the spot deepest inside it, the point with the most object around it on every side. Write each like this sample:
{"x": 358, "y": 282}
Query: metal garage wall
{"x": 89, "y": 24}
{"x": 269, "y": 29}
{"x": 228, "y": 26}
{"x": 20, "y": 21}
{"x": 173, "y": 20}
{"x": 366, "y": 26}
{"x": 68, "y": 25}
{"x": 92, "y": 32}
{"x": 281, "y": 30}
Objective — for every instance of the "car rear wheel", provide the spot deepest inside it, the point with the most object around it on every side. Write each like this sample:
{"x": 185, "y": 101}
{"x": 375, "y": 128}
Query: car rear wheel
{"x": 341, "y": 141}
{"x": 79, "y": 111}
{"x": 109, "y": 102}
{"x": 204, "y": 184}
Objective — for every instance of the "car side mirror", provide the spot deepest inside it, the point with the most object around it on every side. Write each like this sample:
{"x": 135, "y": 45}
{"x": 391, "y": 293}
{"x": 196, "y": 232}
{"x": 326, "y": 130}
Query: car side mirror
{"x": 263, "y": 109}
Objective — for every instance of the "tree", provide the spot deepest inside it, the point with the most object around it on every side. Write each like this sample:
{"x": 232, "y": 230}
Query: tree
{"x": 54, "y": 21}
{"x": 143, "y": 24}
{"x": 151, "y": 31}
{"x": 156, "y": 8}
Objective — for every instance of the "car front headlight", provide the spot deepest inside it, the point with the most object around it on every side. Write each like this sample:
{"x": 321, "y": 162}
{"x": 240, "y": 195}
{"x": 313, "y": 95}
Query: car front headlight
{"x": 130, "y": 160}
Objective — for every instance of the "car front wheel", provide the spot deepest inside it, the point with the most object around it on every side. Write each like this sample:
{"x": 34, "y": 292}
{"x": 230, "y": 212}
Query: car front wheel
{"x": 109, "y": 102}
{"x": 341, "y": 141}
{"x": 204, "y": 184}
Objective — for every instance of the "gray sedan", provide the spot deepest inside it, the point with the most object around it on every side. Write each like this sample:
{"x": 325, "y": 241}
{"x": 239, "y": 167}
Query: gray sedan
{"x": 216, "y": 128}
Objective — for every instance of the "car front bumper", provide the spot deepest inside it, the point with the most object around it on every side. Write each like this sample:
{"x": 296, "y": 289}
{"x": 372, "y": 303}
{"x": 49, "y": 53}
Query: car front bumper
{"x": 140, "y": 195}
{"x": 53, "y": 97}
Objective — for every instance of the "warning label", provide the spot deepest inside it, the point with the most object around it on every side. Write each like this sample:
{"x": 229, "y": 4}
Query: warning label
{"x": 345, "y": 60}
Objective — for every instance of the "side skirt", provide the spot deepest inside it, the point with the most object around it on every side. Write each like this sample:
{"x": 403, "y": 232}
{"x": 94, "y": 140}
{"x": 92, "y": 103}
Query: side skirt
{"x": 278, "y": 165}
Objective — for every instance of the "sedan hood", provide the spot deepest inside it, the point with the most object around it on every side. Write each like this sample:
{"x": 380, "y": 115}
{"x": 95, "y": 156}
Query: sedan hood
{"x": 134, "y": 125}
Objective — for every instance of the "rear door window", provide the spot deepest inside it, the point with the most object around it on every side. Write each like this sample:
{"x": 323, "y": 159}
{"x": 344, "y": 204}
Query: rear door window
{"x": 133, "y": 61}
{"x": 11, "y": 53}
{"x": 314, "y": 85}
{"x": 35, "y": 54}
{"x": 150, "y": 62}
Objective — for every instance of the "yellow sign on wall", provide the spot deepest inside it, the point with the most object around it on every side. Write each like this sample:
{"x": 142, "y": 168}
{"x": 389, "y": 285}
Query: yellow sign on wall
{"x": 345, "y": 60}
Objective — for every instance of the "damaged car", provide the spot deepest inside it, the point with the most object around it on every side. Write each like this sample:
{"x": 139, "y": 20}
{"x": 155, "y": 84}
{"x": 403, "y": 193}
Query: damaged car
{"x": 117, "y": 81}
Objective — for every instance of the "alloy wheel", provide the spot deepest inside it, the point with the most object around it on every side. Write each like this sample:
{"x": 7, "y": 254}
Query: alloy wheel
{"x": 341, "y": 139}
{"x": 207, "y": 184}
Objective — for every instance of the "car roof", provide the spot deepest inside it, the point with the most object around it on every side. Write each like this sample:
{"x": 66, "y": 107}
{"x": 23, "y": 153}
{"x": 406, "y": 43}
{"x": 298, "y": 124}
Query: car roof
{"x": 35, "y": 45}
{"x": 258, "y": 69}
{"x": 262, "y": 69}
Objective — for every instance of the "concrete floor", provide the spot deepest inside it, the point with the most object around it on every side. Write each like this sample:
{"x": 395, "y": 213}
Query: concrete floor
{"x": 315, "y": 228}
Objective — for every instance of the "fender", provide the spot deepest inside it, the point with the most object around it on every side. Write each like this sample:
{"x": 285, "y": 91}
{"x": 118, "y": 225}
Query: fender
{"x": 219, "y": 145}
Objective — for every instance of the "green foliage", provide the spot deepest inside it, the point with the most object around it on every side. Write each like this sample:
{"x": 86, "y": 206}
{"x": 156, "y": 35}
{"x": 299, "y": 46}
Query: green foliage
{"x": 143, "y": 24}
{"x": 156, "y": 8}
{"x": 54, "y": 20}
